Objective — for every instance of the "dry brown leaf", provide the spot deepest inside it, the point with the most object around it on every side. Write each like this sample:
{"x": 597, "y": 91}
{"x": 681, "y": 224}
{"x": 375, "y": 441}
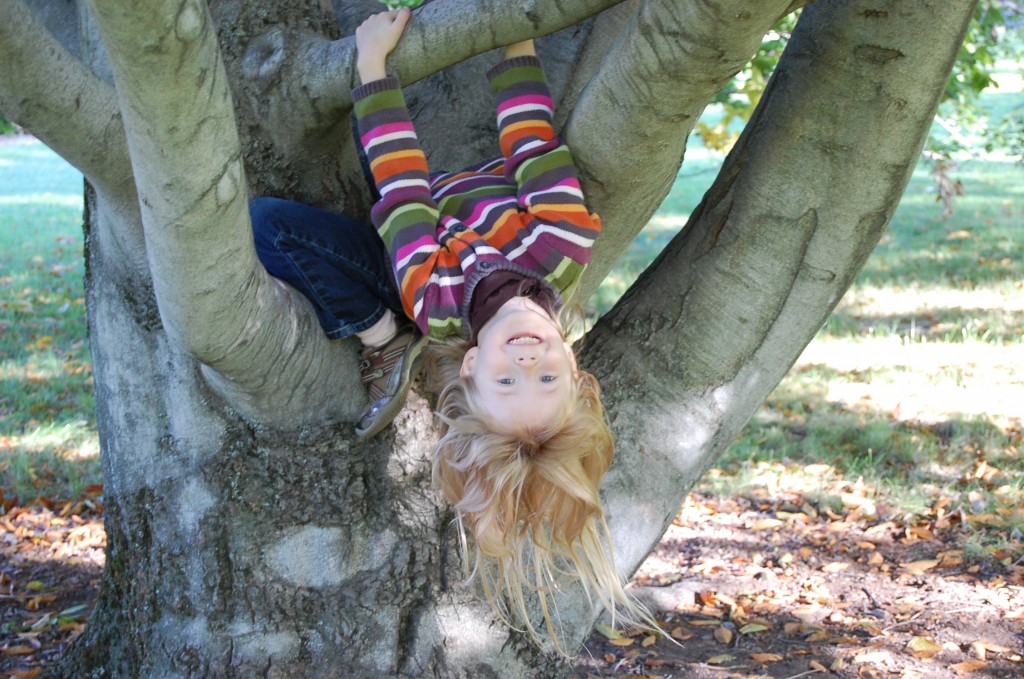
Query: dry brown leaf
{"x": 815, "y": 665}
{"x": 919, "y": 567}
{"x": 765, "y": 657}
{"x": 872, "y": 657}
{"x": 835, "y": 567}
{"x": 609, "y": 658}
{"x": 923, "y": 647}
{"x": 27, "y": 674}
{"x": 681, "y": 634}
{"x": 968, "y": 666}
{"x": 720, "y": 659}
{"x": 723, "y": 634}
{"x": 649, "y": 641}
{"x": 766, "y": 524}
{"x": 793, "y": 628}
{"x": 626, "y": 641}
{"x": 981, "y": 648}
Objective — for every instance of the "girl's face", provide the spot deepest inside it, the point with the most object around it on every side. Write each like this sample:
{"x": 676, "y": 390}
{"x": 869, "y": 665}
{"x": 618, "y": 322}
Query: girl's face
{"x": 523, "y": 370}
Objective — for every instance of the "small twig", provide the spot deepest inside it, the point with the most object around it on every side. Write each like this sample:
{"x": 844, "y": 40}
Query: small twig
{"x": 871, "y": 598}
{"x": 909, "y": 620}
{"x": 804, "y": 674}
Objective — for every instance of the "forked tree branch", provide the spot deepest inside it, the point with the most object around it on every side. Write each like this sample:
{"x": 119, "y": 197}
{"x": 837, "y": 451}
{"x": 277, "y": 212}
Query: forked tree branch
{"x": 629, "y": 128}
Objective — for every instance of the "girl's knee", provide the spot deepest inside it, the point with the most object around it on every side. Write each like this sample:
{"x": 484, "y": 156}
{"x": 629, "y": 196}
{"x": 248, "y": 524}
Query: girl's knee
{"x": 265, "y": 214}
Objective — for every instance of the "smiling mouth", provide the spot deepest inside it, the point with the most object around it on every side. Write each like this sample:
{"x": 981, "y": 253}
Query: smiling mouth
{"x": 524, "y": 339}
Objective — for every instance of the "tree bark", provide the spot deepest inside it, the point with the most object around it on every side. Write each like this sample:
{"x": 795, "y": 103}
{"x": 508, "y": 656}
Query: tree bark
{"x": 249, "y": 533}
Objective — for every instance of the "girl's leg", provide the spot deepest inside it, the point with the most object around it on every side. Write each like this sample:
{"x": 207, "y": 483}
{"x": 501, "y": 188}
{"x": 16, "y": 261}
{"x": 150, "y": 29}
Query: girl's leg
{"x": 340, "y": 265}
{"x": 336, "y": 262}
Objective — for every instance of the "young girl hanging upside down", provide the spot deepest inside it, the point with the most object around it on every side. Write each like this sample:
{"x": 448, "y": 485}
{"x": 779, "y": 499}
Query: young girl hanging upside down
{"x": 482, "y": 259}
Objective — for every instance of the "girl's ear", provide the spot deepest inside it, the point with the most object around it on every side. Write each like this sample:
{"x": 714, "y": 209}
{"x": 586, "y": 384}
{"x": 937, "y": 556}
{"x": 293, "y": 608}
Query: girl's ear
{"x": 469, "y": 363}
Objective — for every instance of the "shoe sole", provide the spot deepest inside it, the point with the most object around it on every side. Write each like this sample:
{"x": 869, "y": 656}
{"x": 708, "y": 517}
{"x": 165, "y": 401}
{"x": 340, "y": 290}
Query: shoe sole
{"x": 386, "y": 414}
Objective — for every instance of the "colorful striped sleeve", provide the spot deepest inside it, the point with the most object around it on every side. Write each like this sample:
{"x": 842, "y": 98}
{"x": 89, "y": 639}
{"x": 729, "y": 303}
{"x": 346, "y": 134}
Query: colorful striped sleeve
{"x": 544, "y": 172}
{"x": 406, "y": 215}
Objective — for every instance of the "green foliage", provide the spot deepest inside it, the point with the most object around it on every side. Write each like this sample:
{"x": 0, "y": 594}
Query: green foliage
{"x": 992, "y": 38}
{"x": 395, "y": 4}
{"x": 7, "y": 127}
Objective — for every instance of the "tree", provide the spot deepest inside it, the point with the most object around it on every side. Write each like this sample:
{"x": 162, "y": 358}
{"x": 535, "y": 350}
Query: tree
{"x": 249, "y": 533}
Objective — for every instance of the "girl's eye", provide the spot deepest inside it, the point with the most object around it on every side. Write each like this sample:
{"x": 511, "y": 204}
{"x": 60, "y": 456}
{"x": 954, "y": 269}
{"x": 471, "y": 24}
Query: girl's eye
{"x": 506, "y": 380}
{"x": 548, "y": 378}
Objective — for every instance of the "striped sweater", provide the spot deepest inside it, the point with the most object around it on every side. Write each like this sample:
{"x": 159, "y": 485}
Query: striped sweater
{"x": 523, "y": 211}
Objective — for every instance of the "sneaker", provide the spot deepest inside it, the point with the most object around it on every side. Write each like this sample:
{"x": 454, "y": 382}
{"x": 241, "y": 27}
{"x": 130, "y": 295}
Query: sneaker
{"x": 387, "y": 372}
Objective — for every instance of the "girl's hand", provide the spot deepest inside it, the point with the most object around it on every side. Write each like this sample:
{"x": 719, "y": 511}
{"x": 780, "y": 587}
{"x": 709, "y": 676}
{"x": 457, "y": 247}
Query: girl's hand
{"x": 520, "y": 49}
{"x": 375, "y": 39}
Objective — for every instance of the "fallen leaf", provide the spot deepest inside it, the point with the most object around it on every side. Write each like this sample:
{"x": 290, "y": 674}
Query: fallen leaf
{"x": 766, "y": 524}
{"x": 765, "y": 657}
{"x": 27, "y": 674}
{"x": 969, "y": 666}
{"x": 753, "y": 628}
{"x": 649, "y": 641}
{"x": 835, "y": 567}
{"x": 681, "y": 634}
{"x": 923, "y": 647}
{"x": 919, "y": 567}
{"x": 815, "y": 665}
{"x": 621, "y": 642}
{"x": 720, "y": 659}
{"x": 723, "y": 634}
{"x": 981, "y": 648}
{"x": 872, "y": 657}
{"x": 608, "y": 631}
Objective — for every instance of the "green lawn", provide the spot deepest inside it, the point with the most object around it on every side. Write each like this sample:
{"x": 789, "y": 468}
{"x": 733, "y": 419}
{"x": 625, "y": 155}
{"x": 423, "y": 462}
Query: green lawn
{"x": 48, "y": 442}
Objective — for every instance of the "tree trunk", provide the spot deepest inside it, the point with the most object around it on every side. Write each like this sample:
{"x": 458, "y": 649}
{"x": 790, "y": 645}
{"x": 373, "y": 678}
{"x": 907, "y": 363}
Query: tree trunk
{"x": 249, "y": 533}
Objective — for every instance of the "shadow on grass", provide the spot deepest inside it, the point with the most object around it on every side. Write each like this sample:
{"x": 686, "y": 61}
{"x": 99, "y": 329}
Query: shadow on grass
{"x": 955, "y": 324}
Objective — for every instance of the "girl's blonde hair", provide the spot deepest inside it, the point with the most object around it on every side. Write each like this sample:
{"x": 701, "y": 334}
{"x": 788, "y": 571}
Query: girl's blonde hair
{"x": 530, "y": 499}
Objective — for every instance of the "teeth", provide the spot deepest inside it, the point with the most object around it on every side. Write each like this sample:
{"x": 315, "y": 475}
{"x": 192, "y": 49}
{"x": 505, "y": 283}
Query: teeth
{"x": 524, "y": 339}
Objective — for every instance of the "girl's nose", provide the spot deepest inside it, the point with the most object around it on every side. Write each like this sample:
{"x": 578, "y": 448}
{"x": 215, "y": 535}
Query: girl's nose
{"x": 526, "y": 359}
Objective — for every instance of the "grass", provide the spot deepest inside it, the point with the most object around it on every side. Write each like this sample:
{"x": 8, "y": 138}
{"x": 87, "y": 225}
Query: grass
{"x": 48, "y": 441}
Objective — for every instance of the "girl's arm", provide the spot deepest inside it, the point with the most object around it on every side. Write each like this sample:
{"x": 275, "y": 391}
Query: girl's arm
{"x": 375, "y": 39}
{"x": 406, "y": 215}
{"x": 520, "y": 49}
{"x": 536, "y": 159}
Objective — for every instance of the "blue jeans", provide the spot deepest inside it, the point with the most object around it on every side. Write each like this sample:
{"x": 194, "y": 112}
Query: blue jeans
{"x": 339, "y": 264}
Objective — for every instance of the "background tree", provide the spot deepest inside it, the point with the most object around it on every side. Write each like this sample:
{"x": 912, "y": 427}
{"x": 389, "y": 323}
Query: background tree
{"x": 248, "y": 532}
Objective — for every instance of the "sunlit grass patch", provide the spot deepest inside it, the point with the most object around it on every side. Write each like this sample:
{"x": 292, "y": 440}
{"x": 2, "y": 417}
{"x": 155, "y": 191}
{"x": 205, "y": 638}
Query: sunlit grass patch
{"x": 56, "y": 460}
{"x": 48, "y": 441}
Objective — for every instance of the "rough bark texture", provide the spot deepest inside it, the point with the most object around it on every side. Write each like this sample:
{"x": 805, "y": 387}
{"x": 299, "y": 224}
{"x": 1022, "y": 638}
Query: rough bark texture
{"x": 249, "y": 533}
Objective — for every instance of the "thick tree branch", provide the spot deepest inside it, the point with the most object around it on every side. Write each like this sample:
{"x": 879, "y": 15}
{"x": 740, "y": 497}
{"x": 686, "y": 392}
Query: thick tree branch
{"x": 439, "y": 35}
{"x": 57, "y": 98}
{"x": 666, "y": 64}
{"x": 712, "y": 326}
{"x": 215, "y": 299}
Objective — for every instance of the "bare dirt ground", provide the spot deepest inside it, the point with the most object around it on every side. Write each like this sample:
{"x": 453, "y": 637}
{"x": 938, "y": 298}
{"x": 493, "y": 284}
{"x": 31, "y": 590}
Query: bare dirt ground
{"x": 747, "y": 587}
{"x": 774, "y": 588}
